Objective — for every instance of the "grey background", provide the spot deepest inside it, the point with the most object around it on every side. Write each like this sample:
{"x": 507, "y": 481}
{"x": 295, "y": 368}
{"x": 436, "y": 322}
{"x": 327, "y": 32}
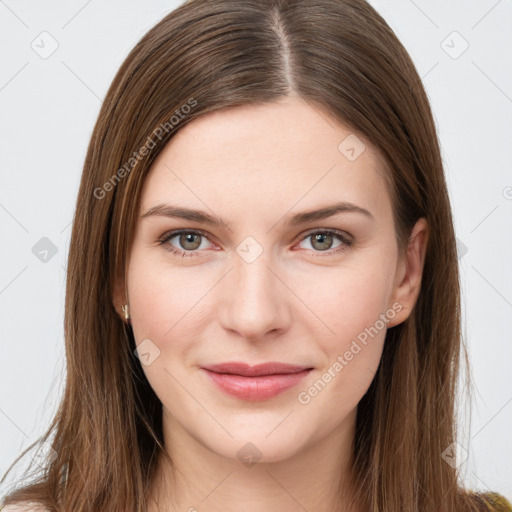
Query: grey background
{"x": 48, "y": 107}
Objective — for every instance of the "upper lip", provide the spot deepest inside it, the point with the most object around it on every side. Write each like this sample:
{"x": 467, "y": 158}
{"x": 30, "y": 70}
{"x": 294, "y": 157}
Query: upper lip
{"x": 246, "y": 370}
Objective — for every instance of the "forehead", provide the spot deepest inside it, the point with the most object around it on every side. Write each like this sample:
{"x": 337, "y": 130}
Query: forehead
{"x": 260, "y": 157}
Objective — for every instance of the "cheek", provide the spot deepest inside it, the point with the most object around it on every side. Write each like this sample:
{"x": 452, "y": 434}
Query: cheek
{"x": 348, "y": 299}
{"x": 354, "y": 312}
{"x": 164, "y": 301}
{"x": 165, "y": 309}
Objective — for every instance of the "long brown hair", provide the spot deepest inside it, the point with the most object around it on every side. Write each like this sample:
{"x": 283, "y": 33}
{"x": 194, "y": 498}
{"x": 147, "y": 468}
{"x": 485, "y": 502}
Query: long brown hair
{"x": 206, "y": 55}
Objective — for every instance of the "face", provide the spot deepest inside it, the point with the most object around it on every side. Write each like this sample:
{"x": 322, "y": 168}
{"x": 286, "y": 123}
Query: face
{"x": 260, "y": 287}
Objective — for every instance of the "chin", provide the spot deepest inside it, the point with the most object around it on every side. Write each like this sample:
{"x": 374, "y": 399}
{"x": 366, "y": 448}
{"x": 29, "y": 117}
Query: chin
{"x": 256, "y": 448}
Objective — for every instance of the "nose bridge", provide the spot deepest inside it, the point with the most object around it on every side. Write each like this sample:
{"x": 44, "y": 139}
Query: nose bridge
{"x": 253, "y": 278}
{"x": 255, "y": 302}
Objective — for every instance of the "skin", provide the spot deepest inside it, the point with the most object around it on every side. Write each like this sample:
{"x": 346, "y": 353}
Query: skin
{"x": 255, "y": 166}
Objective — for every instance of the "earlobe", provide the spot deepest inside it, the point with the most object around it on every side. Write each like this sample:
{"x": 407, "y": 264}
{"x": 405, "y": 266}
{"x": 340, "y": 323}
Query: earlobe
{"x": 412, "y": 263}
{"x": 119, "y": 300}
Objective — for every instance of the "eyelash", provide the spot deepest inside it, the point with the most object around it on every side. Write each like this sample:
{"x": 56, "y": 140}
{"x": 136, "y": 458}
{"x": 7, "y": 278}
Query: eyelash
{"x": 346, "y": 242}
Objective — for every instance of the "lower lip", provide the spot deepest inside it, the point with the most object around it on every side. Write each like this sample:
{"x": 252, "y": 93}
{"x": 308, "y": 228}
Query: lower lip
{"x": 256, "y": 388}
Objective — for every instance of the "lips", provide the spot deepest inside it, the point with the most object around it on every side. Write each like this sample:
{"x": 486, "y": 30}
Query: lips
{"x": 254, "y": 383}
{"x": 272, "y": 368}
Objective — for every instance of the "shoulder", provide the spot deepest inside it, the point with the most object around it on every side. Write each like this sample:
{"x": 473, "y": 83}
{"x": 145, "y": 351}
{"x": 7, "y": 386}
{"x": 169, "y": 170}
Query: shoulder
{"x": 24, "y": 506}
{"x": 496, "y": 501}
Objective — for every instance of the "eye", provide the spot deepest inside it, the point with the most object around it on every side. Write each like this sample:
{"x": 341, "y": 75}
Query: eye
{"x": 190, "y": 241}
{"x": 321, "y": 241}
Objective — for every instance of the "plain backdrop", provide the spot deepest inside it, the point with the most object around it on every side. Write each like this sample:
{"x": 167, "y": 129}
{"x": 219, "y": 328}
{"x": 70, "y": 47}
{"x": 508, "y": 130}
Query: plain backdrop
{"x": 57, "y": 61}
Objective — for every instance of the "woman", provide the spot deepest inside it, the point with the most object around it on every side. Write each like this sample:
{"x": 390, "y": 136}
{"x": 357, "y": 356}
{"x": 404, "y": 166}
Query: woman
{"x": 262, "y": 306}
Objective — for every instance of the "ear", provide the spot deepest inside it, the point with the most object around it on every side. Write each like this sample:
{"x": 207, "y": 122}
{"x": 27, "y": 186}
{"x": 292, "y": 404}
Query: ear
{"x": 119, "y": 296}
{"x": 407, "y": 283}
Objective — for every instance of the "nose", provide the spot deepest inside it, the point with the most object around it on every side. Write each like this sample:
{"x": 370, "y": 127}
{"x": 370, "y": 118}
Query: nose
{"x": 256, "y": 300}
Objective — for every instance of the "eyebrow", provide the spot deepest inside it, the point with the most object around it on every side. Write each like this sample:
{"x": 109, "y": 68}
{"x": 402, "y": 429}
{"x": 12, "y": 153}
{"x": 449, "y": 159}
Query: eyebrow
{"x": 167, "y": 210}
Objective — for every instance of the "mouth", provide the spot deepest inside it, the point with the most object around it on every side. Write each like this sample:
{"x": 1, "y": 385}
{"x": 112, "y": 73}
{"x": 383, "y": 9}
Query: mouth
{"x": 255, "y": 383}
{"x": 271, "y": 368}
